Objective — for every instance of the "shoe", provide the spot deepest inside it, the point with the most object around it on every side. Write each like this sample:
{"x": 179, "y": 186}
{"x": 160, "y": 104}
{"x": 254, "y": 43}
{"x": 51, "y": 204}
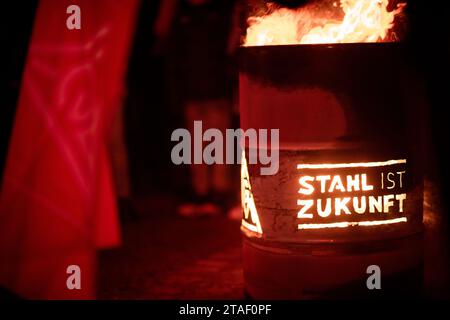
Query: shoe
{"x": 208, "y": 209}
{"x": 198, "y": 206}
{"x": 235, "y": 213}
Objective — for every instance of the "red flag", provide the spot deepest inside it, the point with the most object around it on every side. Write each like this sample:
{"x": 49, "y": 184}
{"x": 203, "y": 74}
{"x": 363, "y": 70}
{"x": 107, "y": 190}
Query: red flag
{"x": 57, "y": 203}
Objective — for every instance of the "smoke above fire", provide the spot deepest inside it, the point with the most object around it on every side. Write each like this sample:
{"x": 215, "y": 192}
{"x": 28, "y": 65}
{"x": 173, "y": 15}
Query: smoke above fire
{"x": 344, "y": 21}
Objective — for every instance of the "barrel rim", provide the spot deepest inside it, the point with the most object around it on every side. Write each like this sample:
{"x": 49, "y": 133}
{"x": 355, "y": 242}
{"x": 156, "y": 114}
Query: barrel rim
{"x": 325, "y": 46}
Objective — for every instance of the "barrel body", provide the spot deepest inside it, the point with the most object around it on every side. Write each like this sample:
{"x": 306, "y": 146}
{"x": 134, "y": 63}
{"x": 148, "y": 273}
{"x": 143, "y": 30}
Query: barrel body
{"x": 349, "y": 190}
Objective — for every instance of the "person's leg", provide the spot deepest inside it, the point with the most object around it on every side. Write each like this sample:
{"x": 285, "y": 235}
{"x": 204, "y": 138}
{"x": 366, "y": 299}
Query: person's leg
{"x": 199, "y": 172}
{"x": 119, "y": 158}
{"x": 119, "y": 165}
{"x": 199, "y": 203}
{"x": 225, "y": 177}
{"x": 218, "y": 116}
{"x": 225, "y": 193}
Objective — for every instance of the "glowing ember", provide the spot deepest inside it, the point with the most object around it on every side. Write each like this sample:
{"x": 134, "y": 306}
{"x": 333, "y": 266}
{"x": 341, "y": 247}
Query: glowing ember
{"x": 361, "y": 21}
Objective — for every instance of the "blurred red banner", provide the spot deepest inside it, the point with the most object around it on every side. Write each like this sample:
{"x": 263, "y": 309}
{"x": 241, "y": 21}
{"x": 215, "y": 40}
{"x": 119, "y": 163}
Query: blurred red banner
{"x": 57, "y": 204}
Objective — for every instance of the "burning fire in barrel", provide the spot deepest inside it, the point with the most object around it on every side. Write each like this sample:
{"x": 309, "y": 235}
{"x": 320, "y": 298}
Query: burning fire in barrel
{"x": 348, "y": 194}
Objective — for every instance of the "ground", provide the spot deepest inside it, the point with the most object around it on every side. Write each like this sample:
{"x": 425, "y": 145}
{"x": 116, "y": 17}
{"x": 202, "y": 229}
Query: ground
{"x": 164, "y": 256}
{"x": 169, "y": 257}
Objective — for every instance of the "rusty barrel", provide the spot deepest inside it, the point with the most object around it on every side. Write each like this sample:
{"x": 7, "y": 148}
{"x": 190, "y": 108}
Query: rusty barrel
{"x": 349, "y": 190}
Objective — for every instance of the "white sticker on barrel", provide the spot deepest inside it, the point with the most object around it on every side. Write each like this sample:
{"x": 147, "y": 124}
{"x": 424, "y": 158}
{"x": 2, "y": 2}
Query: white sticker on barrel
{"x": 250, "y": 220}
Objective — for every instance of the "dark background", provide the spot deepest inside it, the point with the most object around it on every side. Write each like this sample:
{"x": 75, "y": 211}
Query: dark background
{"x": 149, "y": 118}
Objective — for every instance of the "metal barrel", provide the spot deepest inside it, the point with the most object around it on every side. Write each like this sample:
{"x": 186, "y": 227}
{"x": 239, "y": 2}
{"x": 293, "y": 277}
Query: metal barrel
{"x": 349, "y": 190}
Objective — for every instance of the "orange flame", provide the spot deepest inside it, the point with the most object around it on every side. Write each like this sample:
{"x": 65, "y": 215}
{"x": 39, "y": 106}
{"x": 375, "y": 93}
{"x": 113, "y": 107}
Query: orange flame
{"x": 362, "y": 21}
